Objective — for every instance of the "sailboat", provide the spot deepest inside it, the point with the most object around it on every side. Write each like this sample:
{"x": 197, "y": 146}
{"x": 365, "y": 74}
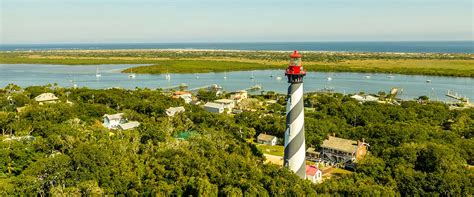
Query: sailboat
{"x": 251, "y": 76}
{"x": 329, "y": 78}
{"x": 97, "y": 73}
{"x": 225, "y": 75}
{"x": 131, "y": 75}
{"x": 168, "y": 76}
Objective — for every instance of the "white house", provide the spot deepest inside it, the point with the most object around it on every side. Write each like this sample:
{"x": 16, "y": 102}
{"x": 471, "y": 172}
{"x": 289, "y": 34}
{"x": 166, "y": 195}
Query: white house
{"x": 364, "y": 98}
{"x": 239, "y": 96}
{"x": 267, "y": 139}
{"x": 129, "y": 125}
{"x": 214, "y": 107}
{"x": 174, "y": 110}
{"x": 228, "y": 104}
{"x": 46, "y": 98}
{"x": 114, "y": 120}
{"x": 314, "y": 174}
{"x": 186, "y": 96}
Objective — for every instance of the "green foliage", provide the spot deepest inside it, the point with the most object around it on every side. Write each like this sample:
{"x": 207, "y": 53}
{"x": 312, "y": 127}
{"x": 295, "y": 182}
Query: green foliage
{"x": 415, "y": 149}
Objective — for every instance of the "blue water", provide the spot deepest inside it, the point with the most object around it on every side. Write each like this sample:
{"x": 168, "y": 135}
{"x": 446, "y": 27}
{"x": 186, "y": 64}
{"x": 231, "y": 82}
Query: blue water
{"x": 407, "y": 47}
{"x": 84, "y": 76}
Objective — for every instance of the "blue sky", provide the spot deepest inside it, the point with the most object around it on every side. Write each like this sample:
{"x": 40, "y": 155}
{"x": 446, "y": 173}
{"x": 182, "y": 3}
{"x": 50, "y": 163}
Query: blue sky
{"x": 130, "y": 21}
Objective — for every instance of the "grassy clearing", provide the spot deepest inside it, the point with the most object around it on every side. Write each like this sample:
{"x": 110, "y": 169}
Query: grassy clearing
{"x": 272, "y": 150}
{"x": 202, "y": 62}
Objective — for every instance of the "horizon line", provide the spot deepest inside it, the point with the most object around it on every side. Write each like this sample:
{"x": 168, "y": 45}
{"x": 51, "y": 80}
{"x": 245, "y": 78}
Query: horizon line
{"x": 225, "y": 42}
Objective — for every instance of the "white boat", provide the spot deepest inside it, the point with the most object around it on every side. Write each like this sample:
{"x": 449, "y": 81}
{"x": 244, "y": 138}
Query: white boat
{"x": 278, "y": 78}
{"x": 168, "y": 77}
{"x": 329, "y": 78}
{"x": 367, "y": 77}
{"x": 197, "y": 77}
{"x": 390, "y": 76}
{"x": 428, "y": 81}
{"x": 97, "y": 73}
{"x": 131, "y": 75}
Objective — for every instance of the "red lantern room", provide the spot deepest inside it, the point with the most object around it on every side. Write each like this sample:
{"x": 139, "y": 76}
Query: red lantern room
{"x": 295, "y": 71}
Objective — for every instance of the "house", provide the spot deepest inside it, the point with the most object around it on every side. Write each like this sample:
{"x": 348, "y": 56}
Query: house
{"x": 129, "y": 125}
{"x": 239, "y": 96}
{"x": 114, "y": 120}
{"x": 214, "y": 107}
{"x": 46, "y": 98}
{"x": 364, "y": 98}
{"x": 227, "y": 103}
{"x": 267, "y": 139}
{"x": 314, "y": 174}
{"x": 186, "y": 96}
{"x": 312, "y": 154}
{"x": 174, "y": 110}
{"x": 339, "y": 150}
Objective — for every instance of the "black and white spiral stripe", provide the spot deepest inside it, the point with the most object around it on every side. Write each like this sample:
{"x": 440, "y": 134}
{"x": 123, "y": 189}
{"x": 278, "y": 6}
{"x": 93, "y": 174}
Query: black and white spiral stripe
{"x": 295, "y": 154}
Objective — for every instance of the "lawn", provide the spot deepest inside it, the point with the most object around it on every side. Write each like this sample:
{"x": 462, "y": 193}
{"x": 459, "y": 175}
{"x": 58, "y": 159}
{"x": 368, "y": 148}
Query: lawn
{"x": 272, "y": 150}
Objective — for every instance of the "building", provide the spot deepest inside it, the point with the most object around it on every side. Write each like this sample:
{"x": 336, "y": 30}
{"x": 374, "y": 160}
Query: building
{"x": 314, "y": 174}
{"x": 226, "y": 103}
{"x": 267, "y": 139}
{"x": 364, "y": 98}
{"x": 186, "y": 96}
{"x": 113, "y": 121}
{"x": 312, "y": 154}
{"x": 174, "y": 110}
{"x": 295, "y": 157}
{"x": 46, "y": 98}
{"x": 128, "y": 125}
{"x": 339, "y": 150}
{"x": 214, "y": 107}
{"x": 239, "y": 96}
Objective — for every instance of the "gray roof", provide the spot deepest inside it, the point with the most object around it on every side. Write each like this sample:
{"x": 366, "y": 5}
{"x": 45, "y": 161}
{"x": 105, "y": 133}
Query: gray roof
{"x": 114, "y": 116}
{"x": 340, "y": 144}
{"x": 129, "y": 125}
{"x": 213, "y": 105}
{"x": 265, "y": 137}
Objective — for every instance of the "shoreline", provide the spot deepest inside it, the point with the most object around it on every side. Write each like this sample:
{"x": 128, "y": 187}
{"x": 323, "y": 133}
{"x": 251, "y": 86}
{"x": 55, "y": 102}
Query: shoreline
{"x": 230, "y": 50}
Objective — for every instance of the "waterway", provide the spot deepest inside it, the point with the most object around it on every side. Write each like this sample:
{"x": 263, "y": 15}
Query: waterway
{"x": 413, "y": 86}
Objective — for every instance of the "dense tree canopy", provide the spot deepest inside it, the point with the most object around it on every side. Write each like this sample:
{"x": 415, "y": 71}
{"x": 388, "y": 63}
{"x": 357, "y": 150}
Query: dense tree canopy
{"x": 415, "y": 149}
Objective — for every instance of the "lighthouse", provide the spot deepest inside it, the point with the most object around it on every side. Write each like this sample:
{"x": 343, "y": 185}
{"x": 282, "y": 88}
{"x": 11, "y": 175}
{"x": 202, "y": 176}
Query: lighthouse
{"x": 294, "y": 157}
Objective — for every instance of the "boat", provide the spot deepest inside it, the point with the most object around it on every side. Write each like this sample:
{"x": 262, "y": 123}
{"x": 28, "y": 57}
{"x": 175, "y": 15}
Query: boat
{"x": 390, "y": 76}
{"x": 225, "y": 76}
{"x": 168, "y": 77}
{"x": 428, "y": 81}
{"x": 278, "y": 78}
{"x": 197, "y": 77}
{"x": 367, "y": 77}
{"x": 251, "y": 76}
{"x": 97, "y": 73}
{"x": 329, "y": 78}
{"x": 131, "y": 75}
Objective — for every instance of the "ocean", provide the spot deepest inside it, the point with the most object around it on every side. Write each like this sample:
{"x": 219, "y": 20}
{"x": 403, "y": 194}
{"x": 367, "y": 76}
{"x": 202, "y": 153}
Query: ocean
{"x": 396, "y": 47}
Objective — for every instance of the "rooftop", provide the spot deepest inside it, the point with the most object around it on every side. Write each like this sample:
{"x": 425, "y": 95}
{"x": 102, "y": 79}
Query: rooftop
{"x": 265, "y": 137}
{"x": 224, "y": 101}
{"x": 129, "y": 125}
{"x": 114, "y": 116}
{"x": 340, "y": 144}
{"x": 213, "y": 105}
{"x": 46, "y": 97}
{"x": 311, "y": 170}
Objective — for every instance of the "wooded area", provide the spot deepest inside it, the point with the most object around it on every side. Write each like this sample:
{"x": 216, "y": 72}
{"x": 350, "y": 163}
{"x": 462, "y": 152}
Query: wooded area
{"x": 415, "y": 148}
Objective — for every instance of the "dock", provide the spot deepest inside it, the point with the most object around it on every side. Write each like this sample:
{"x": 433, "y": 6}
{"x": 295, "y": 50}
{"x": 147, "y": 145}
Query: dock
{"x": 457, "y": 96}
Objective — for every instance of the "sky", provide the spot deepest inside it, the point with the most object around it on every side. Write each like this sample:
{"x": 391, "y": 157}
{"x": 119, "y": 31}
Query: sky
{"x": 157, "y": 21}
